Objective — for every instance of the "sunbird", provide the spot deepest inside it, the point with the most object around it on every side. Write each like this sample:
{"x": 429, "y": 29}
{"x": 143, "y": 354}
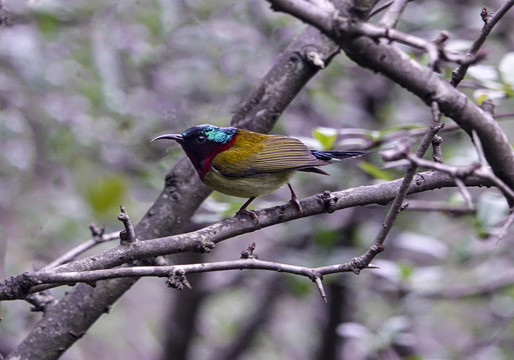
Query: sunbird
{"x": 247, "y": 164}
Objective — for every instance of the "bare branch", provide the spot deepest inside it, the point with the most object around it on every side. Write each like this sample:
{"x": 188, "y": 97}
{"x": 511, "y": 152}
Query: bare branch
{"x": 393, "y": 13}
{"x": 128, "y": 235}
{"x": 459, "y": 73}
{"x": 437, "y": 154}
{"x": 506, "y": 226}
{"x": 60, "y": 278}
{"x": 395, "y": 64}
{"x": 465, "y": 193}
{"x": 201, "y": 240}
{"x": 480, "y": 149}
{"x": 479, "y": 170}
{"x": 397, "y": 205}
{"x": 72, "y": 254}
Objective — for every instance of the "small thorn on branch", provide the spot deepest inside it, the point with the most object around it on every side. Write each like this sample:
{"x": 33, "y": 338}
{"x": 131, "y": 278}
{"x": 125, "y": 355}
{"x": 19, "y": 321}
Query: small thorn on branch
{"x": 319, "y": 285}
{"x": 127, "y": 236}
{"x": 248, "y": 253}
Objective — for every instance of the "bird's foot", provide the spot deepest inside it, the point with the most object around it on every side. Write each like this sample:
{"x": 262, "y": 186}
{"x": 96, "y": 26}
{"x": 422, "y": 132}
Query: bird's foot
{"x": 294, "y": 199}
{"x": 296, "y": 203}
{"x": 250, "y": 213}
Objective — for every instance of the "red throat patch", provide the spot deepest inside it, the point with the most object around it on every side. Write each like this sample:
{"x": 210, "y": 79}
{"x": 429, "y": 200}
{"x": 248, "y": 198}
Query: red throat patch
{"x": 203, "y": 166}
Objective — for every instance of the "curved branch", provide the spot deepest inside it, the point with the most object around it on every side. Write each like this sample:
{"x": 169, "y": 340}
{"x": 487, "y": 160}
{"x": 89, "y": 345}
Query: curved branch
{"x": 167, "y": 271}
{"x": 202, "y": 240}
{"x": 459, "y": 73}
{"x": 421, "y": 81}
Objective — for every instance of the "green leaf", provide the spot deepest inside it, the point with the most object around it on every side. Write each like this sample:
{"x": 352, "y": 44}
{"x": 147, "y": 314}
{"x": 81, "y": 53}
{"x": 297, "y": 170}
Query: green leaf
{"x": 483, "y": 94}
{"x": 299, "y": 286}
{"x": 325, "y": 237}
{"x": 47, "y": 23}
{"x": 406, "y": 270}
{"x": 375, "y": 171}
{"x": 326, "y": 137}
{"x": 106, "y": 194}
{"x": 480, "y": 98}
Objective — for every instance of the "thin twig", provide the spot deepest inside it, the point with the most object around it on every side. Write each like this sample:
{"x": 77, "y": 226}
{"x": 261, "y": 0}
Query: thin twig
{"x": 437, "y": 153}
{"x": 168, "y": 271}
{"x": 465, "y": 193}
{"x": 128, "y": 235}
{"x": 381, "y": 8}
{"x": 19, "y": 286}
{"x": 505, "y": 227}
{"x": 476, "y": 169}
{"x": 435, "y": 50}
{"x": 479, "y": 148}
{"x": 393, "y": 13}
{"x": 82, "y": 248}
{"x": 397, "y": 205}
{"x": 459, "y": 73}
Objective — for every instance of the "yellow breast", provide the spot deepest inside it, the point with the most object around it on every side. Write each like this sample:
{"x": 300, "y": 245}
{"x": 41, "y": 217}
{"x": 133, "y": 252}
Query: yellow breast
{"x": 248, "y": 186}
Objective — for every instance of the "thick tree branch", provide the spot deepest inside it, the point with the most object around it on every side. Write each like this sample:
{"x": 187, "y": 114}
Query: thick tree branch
{"x": 201, "y": 240}
{"x": 395, "y": 64}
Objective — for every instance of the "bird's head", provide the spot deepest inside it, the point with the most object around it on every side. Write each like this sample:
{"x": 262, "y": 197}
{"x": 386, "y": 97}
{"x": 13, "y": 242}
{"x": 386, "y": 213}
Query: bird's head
{"x": 202, "y": 143}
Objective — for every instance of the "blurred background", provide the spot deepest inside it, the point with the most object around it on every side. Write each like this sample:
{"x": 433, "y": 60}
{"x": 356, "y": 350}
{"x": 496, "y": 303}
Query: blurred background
{"x": 85, "y": 85}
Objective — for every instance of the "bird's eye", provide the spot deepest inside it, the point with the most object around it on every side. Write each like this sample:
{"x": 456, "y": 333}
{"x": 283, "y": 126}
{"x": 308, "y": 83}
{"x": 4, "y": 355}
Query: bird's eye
{"x": 200, "y": 139}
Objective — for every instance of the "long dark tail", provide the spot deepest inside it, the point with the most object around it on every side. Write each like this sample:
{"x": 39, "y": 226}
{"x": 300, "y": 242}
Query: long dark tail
{"x": 335, "y": 154}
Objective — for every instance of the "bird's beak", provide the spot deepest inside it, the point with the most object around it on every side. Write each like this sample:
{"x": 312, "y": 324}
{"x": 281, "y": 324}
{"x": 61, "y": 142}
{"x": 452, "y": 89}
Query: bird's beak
{"x": 177, "y": 137}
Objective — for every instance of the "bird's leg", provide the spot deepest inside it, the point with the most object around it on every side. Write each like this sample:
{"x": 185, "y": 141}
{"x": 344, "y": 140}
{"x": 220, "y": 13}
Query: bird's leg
{"x": 243, "y": 211}
{"x": 294, "y": 199}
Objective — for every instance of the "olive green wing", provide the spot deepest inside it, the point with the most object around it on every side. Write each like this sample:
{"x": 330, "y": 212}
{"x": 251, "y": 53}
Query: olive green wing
{"x": 272, "y": 154}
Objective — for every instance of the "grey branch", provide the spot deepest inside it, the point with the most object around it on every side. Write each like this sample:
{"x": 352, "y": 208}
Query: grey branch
{"x": 170, "y": 270}
{"x": 82, "y": 248}
{"x": 395, "y": 64}
{"x": 20, "y": 286}
{"x": 392, "y": 14}
{"x": 459, "y": 73}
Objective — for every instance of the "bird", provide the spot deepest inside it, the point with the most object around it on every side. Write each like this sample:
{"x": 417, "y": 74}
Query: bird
{"x": 247, "y": 164}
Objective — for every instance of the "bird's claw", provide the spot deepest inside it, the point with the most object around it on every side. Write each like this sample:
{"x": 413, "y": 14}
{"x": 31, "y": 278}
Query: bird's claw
{"x": 250, "y": 213}
{"x": 296, "y": 203}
